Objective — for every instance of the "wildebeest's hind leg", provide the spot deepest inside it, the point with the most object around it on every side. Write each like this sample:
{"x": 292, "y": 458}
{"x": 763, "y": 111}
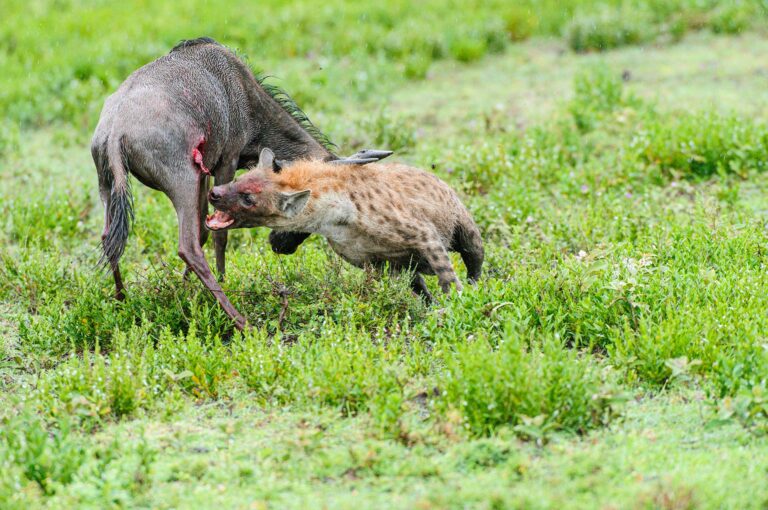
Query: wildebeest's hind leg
{"x": 286, "y": 243}
{"x": 185, "y": 197}
{"x": 119, "y": 287}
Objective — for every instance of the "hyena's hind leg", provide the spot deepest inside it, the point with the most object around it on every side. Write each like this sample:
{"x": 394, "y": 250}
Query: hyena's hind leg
{"x": 468, "y": 243}
{"x": 419, "y": 287}
{"x": 417, "y": 283}
{"x": 437, "y": 257}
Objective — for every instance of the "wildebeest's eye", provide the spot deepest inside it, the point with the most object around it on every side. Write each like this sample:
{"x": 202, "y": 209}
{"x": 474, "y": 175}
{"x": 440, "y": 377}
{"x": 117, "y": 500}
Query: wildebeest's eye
{"x": 247, "y": 199}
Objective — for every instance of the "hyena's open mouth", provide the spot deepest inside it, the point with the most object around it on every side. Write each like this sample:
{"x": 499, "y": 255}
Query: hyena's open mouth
{"x": 219, "y": 220}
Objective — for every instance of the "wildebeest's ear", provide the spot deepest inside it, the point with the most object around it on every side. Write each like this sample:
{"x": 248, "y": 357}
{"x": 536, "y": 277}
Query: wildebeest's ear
{"x": 266, "y": 158}
{"x": 293, "y": 203}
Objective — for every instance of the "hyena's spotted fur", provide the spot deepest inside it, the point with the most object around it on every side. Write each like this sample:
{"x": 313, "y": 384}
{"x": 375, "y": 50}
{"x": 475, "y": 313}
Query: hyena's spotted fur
{"x": 376, "y": 214}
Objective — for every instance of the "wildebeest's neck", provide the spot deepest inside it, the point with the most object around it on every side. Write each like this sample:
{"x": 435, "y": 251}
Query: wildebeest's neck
{"x": 264, "y": 114}
{"x": 277, "y": 128}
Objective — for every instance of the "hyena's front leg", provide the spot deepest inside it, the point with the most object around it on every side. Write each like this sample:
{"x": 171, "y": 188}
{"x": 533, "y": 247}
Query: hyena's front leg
{"x": 437, "y": 257}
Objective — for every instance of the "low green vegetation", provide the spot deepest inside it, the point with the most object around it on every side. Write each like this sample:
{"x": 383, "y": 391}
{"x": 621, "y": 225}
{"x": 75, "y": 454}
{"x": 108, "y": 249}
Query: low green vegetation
{"x": 613, "y": 355}
{"x": 606, "y": 27}
{"x": 60, "y": 58}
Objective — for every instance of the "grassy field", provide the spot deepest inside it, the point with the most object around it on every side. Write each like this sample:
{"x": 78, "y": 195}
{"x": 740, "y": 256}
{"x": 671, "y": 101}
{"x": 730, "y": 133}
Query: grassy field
{"x": 614, "y": 355}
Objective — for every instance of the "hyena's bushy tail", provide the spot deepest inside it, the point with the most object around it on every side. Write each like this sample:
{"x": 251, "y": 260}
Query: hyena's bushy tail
{"x": 469, "y": 244}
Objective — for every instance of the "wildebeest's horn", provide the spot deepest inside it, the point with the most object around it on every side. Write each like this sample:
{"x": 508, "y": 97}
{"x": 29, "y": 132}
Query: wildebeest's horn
{"x": 371, "y": 153}
{"x": 350, "y": 161}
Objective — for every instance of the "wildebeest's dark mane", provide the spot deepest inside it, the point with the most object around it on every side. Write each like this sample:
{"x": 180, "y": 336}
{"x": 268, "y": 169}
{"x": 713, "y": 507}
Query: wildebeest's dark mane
{"x": 280, "y": 96}
{"x": 287, "y": 103}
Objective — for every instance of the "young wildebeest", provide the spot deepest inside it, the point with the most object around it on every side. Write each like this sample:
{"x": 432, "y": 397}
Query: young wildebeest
{"x": 196, "y": 112}
{"x": 382, "y": 213}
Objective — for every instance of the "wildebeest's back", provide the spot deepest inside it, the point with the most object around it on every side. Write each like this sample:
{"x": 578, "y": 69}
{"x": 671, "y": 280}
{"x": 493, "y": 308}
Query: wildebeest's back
{"x": 191, "y": 97}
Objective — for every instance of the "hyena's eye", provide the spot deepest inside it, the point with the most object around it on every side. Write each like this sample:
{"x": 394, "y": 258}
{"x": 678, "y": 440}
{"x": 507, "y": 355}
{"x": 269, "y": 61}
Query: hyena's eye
{"x": 247, "y": 199}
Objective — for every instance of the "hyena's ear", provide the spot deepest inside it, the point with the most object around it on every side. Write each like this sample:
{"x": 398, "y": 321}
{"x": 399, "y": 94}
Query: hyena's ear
{"x": 292, "y": 204}
{"x": 266, "y": 159}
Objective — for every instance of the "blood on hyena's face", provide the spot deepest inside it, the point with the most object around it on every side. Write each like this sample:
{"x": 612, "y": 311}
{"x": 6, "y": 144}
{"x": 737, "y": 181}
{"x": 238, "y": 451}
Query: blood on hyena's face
{"x": 243, "y": 203}
{"x": 254, "y": 201}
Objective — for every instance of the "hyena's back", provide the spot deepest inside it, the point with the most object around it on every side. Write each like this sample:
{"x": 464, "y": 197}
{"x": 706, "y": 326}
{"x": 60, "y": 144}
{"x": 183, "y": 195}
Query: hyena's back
{"x": 413, "y": 208}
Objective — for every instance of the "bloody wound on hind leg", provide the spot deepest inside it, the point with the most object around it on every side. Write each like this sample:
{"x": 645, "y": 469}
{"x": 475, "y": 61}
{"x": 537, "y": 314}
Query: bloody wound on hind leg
{"x": 197, "y": 156}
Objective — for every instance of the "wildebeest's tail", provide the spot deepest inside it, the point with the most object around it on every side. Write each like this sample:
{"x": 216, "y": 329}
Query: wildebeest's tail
{"x": 116, "y": 190}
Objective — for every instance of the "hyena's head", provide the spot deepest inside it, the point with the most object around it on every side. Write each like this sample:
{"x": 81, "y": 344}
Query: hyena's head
{"x": 254, "y": 200}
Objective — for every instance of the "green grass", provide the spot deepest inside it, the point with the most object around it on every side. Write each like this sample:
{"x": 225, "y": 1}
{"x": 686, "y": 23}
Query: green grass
{"x": 60, "y": 58}
{"x": 613, "y": 355}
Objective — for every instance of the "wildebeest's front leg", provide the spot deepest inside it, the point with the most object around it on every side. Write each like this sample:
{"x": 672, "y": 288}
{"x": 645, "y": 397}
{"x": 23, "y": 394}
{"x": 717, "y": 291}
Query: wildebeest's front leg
{"x": 202, "y": 204}
{"x": 222, "y": 175}
{"x": 185, "y": 200}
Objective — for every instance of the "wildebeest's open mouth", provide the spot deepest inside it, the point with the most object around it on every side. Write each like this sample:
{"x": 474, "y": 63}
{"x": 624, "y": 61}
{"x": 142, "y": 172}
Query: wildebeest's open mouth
{"x": 219, "y": 220}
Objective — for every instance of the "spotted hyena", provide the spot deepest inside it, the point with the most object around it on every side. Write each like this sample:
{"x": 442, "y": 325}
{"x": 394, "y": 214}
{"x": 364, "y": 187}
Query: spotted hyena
{"x": 376, "y": 214}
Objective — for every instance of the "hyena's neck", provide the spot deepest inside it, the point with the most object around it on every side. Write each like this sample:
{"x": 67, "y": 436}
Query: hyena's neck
{"x": 331, "y": 203}
{"x": 298, "y": 224}
{"x": 328, "y": 213}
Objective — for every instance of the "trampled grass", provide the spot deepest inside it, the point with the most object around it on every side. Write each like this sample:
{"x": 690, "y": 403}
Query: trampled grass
{"x": 613, "y": 355}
